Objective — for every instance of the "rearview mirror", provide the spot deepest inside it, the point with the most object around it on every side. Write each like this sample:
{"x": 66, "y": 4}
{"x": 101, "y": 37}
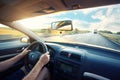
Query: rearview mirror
{"x": 62, "y": 25}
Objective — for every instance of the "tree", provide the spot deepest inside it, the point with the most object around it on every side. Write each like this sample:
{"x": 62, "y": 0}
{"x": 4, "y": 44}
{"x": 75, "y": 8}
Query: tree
{"x": 76, "y": 30}
{"x": 105, "y": 31}
{"x": 118, "y": 33}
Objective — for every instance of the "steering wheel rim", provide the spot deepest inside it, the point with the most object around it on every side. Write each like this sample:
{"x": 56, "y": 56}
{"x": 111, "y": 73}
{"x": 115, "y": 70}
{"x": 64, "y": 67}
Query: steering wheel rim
{"x": 29, "y": 58}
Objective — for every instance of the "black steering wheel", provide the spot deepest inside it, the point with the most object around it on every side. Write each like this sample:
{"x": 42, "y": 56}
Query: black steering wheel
{"x": 37, "y": 49}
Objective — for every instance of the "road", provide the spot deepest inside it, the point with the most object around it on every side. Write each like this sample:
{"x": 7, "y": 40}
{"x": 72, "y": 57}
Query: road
{"x": 89, "y": 38}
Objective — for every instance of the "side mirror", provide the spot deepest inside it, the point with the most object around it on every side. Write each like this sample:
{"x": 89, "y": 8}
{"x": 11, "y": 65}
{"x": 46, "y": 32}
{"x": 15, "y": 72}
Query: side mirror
{"x": 25, "y": 40}
{"x": 62, "y": 25}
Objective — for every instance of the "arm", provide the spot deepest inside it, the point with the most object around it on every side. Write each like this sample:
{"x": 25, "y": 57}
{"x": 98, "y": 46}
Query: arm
{"x": 8, "y": 63}
{"x": 44, "y": 59}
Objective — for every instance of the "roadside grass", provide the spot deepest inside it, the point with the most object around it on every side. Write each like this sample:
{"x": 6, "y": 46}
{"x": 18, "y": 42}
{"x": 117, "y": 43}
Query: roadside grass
{"x": 77, "y": 32}
{"x": 48, "y": 32}
{"x": 7, "y": 33}
{"x": 113, "y": 37}
{"x": 11, "y": 32}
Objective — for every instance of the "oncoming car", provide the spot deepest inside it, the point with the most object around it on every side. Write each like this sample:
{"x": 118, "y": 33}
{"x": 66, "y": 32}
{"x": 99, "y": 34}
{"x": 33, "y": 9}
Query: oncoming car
{"x": 82, "y": 38}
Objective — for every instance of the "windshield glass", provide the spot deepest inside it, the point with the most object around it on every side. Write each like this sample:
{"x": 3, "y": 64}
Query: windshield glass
{"x": 97, "y": 26}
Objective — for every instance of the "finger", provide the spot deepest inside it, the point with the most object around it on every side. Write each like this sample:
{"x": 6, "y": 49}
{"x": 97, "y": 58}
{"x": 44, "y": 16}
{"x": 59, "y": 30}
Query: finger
{"x": 25, "y": 49}
{"x": 48, "y": 57}
{"x": 29, "y": 50}
{"x": 47, "y": 53}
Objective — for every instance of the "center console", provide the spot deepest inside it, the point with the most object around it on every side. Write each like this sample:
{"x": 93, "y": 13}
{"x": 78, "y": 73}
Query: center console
{"x": 66, "y": 68}
{"x": 65, "y": 71}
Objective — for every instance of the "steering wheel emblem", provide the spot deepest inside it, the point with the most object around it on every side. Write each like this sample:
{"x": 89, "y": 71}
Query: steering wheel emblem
{"x": 32, "y": 56}
{"x": 69, "y": 55}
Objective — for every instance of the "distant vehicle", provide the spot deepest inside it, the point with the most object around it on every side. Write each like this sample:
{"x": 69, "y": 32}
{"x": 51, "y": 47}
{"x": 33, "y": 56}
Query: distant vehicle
{"x": 95, "y": 31}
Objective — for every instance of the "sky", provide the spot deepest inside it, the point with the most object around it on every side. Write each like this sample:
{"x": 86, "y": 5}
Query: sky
{"x": 101, "y": 18}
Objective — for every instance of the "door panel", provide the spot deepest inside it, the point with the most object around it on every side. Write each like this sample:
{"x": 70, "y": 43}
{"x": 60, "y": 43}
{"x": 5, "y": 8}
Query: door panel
{"x": 11, "y": 48}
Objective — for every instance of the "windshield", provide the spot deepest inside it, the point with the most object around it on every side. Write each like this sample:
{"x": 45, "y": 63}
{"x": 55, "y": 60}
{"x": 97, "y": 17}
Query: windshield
{"x": 97, "y": 26}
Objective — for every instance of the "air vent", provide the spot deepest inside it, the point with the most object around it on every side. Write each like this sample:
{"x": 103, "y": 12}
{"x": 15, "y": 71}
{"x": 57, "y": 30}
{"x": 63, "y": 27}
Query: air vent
{"x": 65, "y": 54}
{"x": 72, "y": 56}
{"x": 75, "y": 57}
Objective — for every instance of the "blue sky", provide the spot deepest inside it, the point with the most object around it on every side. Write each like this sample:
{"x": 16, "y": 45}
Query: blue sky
{"x": 101, "y": 18}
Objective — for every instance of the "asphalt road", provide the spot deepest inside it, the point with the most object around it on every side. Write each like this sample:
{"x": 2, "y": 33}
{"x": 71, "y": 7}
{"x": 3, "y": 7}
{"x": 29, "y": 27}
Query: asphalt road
{"x": 89, "y": 38}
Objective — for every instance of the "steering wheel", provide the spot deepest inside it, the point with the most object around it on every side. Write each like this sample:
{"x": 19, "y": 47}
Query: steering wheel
{"x": 37, "y": 49}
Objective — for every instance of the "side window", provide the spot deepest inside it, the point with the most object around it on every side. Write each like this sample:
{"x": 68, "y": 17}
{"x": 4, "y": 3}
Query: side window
{"x": 7, "y": 33}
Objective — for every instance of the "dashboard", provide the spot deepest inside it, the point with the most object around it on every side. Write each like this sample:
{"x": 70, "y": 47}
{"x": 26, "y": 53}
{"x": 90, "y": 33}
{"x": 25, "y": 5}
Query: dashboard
{"x": 68, "y": 62}
{"x": 82, "y": 62}
{"x": 75, "y": 61}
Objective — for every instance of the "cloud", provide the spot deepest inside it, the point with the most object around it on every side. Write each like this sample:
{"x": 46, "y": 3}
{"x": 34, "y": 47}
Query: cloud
{"x": 108, "y": 17}
{"x": 109, "y": 20}
{"x": 99, "y": 15}
{"x": 110, "y": 9}
{"x": 88, "y": 10}
{"x": 81, "y": 25}
{"x": 1, "y": 25}
{"x": 75, "y": 13}
{"x": 37, "y": 22}
{"x": 41, "y": 22}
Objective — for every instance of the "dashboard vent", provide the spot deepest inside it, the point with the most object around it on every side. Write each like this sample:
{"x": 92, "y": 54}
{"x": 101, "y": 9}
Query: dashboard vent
{"x": 75, "y": 57}
{"x": 72, "y": 56}
{"x": 65, "y": 54}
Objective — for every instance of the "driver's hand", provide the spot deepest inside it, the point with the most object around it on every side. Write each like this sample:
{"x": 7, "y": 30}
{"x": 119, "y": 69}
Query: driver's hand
{"x": 25, "y": 51}
{"x": 45, "y": 58}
